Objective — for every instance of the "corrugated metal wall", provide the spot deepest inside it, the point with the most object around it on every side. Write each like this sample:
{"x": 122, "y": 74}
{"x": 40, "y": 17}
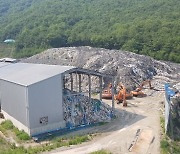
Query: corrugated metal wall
{"x": 13, "y": 99}
{"x": 45, "y": 105}
{"x": 167, "y": 109}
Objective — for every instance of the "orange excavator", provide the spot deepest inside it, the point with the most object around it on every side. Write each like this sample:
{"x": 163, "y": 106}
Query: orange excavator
{"x": 120, "y": 97}
{"x": 106, "y": 94}
{"x": 123, "y": 95}
{"x": 138, "y": 91}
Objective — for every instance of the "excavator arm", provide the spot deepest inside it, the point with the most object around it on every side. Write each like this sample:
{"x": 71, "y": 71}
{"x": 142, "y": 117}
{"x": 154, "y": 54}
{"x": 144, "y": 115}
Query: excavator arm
{"x": 138, "y": 91}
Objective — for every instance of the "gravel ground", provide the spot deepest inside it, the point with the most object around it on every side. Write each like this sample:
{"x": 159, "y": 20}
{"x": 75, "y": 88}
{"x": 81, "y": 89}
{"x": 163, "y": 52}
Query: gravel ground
{"x": 117, "y": 136}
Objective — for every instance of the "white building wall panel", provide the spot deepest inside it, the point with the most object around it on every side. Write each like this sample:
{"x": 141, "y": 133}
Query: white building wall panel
{"x": 45, "y": 105}
{"x": 13, "y": 102}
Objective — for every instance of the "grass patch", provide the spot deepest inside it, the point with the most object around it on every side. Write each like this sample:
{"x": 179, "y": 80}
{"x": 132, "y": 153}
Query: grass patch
{"x": 53, "y": 144}
{"x": 78, "y": 140}
{"x": 60, "y": 142}
{"x": 102, "y": 123}
{"x": 164, "y": 146}
{"x": 50, "y": 145}
{"x": 3, "y": 130}
{"x": 8, "y": 126}
{"x": 6, "y": 50}
{"x": 167, "y": 145}
{"x": 56, "y": 143}
{"x": 21, "y": 135}
{"x": 162, "y": 123}
{"x": 26, "y": 52}
{"x": 10, "y": 50}
{"x": 101, "y": 152}
{"x": 3, "y": 145}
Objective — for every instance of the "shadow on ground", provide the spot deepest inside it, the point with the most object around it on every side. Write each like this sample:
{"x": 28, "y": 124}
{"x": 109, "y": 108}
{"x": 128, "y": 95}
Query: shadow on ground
{"x": 123, "y": 119}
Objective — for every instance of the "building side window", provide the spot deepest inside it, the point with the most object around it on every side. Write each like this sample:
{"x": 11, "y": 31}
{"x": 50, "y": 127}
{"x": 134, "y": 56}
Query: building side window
{"x": 44, "y": 120}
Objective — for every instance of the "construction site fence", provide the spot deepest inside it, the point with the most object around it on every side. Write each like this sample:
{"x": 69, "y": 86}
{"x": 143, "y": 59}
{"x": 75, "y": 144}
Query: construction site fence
{"x": 169, "y": 129}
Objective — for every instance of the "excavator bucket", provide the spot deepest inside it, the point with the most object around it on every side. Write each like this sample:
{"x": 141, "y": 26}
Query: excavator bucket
{"x": 106, "y": 94}
{"x": 138, "y": 92}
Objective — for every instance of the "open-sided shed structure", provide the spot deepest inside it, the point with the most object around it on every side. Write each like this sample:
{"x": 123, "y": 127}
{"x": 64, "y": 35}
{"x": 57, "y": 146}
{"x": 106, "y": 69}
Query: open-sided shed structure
{"x": 31, "y": 95}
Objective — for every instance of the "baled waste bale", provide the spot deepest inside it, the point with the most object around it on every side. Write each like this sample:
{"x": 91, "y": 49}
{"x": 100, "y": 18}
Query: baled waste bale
{"x": 79, "y": 111}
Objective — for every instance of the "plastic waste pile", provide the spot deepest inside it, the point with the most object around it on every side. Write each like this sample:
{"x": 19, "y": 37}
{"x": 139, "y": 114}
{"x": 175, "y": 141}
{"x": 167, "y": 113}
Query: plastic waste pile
{"x": 78, "y": 110}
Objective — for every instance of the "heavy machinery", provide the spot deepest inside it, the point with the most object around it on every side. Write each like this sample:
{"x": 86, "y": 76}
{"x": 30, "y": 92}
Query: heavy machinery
{"x": 138, "y": 91}
{"x": 106, "y": 94}
{"x": 123, "y": 95}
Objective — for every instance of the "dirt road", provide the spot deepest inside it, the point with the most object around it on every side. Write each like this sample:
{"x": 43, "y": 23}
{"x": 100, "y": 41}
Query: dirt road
{"x": 135, "y": 131}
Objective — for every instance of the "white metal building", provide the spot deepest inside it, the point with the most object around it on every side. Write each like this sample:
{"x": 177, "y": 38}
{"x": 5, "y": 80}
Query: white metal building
{"x": 31, "y": 96}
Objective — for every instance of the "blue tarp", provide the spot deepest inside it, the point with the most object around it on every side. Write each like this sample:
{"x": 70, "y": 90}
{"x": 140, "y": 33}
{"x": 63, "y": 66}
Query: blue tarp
{"x": 169, "y": 91}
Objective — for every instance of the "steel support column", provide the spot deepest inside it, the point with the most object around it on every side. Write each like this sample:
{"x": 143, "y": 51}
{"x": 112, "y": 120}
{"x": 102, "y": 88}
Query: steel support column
{"x": 100, "y": 88}
{"x": 89, "y": 79}
{"x": 80, "y": 83}
{"x": 112, "y": 91}
{"x": 64, "y": 81}
{"x": 71, "y": 76}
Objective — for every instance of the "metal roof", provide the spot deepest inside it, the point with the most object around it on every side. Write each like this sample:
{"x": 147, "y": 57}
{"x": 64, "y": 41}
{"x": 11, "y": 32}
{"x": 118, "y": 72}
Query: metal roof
{"x": 89, "y": 72}
{"x": 26, "y": 74}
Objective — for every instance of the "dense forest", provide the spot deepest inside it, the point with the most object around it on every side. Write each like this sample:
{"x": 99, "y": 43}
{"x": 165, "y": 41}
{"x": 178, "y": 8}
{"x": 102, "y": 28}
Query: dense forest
{"x": 149, "y": 27}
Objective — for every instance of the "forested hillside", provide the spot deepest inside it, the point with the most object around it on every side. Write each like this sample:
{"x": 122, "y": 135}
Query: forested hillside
{"x": 150, "y": 27}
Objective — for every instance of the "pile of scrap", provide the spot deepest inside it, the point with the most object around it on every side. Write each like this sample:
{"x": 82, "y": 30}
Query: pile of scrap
{"x": 79, "y": 110}
{"x": 128, "y": 68}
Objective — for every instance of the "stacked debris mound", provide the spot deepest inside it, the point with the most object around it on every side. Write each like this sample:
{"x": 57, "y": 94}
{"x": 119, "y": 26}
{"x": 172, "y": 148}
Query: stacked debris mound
{"x": 128, "y": 68}
{"x": 78, "y": 110}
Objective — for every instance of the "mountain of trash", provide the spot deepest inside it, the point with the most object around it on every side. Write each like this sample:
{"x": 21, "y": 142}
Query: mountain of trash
{"x": 128, "y": 68}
